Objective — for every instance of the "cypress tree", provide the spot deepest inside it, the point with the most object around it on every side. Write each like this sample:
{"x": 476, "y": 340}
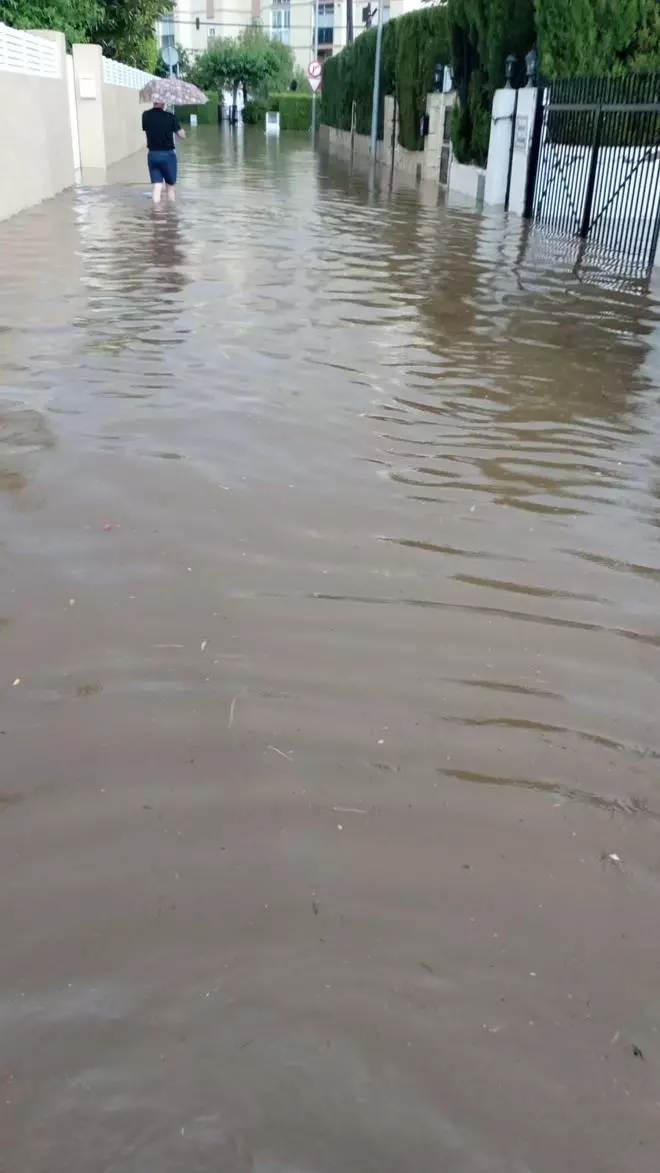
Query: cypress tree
{"x": 590, "y": 38}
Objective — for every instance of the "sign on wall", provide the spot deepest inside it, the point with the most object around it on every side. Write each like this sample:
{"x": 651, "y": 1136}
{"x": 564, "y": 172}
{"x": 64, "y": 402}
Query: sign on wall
{"x": 522, "y": 133}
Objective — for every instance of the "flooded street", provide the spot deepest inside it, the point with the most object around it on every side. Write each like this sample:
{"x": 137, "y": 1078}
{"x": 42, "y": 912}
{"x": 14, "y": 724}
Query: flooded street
{"x": 329, "y": 634}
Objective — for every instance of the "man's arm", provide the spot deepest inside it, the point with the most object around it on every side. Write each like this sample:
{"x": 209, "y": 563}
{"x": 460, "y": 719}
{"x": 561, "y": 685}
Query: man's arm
{"x": 178, "y": 129}
{"x": 143, "y": 114}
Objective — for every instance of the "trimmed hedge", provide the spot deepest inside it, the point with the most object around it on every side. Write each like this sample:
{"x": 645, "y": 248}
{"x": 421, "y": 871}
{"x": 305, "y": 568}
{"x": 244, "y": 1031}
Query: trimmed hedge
{"x": 412, "y": 47}
{"x": 206, "y": 115}
{"x": 295, "y": 110}
{"x": 601, "y": 38}
{"x": 593, "y": 38}
{"x": 483, "y": 33}
{"x": 254, "y": 112}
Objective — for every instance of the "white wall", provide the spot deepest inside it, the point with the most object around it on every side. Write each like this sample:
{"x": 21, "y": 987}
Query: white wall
{"x": 37, "y": 154}
{"x": 466, "y": 181}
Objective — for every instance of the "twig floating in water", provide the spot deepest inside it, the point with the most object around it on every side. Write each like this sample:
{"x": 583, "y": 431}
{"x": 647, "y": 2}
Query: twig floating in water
{"x": 280, "y": 752}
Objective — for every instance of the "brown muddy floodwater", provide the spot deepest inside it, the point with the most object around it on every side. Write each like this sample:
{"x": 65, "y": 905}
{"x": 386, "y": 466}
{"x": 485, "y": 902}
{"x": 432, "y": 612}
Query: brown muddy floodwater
{"x": 330, "y": 605}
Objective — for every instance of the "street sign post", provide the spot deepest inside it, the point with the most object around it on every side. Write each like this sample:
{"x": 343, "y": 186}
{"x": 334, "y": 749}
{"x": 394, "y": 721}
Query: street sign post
{"x": 170, "y": 56}
{"x": 314, "y": 71}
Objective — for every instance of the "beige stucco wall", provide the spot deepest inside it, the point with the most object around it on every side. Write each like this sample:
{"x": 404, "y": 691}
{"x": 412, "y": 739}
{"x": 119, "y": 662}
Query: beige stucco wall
{"x": 37, "y": 155}
{"x": 109, "y": 121}
{"x": 417, "y": 165}
{"x": 122, "y": 118}
{"x": 341, "y": 142}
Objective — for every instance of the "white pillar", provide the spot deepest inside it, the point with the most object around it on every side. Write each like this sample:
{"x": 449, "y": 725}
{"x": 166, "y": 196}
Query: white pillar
{"x": 525, "y": 114}
{"x": 499, "y": 147}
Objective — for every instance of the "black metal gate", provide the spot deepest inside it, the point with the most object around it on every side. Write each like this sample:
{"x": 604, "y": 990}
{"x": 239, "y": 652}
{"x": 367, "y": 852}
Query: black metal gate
{"x": 597, "y": 159}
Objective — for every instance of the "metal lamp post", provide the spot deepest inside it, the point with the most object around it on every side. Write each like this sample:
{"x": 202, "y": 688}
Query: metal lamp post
{"x": 376, "y": 90}
{"x": 315, "y": 46}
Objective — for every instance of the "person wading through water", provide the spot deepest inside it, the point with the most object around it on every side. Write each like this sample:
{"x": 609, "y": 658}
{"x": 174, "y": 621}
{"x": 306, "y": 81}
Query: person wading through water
{"x": 161, "y": 127}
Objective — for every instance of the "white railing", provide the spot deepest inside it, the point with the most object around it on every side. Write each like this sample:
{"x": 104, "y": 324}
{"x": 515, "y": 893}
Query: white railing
{"x": 117, "y": 74}
{"x": 22, "y": 52}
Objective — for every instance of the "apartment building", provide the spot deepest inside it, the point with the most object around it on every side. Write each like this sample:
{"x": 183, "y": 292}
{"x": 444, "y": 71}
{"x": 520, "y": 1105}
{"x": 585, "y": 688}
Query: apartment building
{"x": 195, "y": 23}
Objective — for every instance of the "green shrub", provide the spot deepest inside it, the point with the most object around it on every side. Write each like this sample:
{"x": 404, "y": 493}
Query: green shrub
{"x": 412, "y": 47}
{"x": 295, "y": 110}
{"x": 254, "y": 112}
{"x": 206, "y": 115}
{"x": 422, "y": 42}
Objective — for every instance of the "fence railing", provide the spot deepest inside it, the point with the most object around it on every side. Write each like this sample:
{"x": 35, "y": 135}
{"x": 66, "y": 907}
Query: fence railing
{"x": 22, "y": 52}
{"x": 115, "y": 73}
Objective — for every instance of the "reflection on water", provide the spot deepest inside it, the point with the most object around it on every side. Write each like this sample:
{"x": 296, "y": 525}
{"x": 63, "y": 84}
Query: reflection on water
{"x": 348, "y": 508}
{"x": 492, "y": 415}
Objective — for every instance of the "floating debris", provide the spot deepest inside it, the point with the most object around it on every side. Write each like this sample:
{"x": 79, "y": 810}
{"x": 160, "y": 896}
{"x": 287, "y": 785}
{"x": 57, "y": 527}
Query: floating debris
{"x": 281, "y": 752}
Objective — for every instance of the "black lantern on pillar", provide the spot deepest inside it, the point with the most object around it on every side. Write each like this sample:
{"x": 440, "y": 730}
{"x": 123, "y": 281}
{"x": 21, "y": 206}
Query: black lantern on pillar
{"x": 509, "y": 68}
{"x": 438, "y": 78}
{"x": 530, "y": 66}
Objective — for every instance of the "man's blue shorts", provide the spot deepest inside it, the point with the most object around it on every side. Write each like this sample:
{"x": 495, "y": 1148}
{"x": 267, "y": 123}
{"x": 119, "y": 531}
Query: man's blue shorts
{"x": 162, "y": 167}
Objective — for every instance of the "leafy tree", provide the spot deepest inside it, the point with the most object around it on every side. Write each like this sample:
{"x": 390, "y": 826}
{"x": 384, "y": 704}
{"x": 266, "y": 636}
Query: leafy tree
{"x": 272, "y": 62}
{"x": 77, "y": 19}
{"x": 251, "y": 61}
{"x": 214, "y": 69}
{"x": 126, "y": 30}
{"x": 123, "y": 28}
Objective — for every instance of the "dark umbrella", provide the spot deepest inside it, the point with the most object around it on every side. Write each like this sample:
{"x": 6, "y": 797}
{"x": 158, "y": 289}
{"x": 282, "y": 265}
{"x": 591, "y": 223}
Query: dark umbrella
{"x": 171, "y": 91}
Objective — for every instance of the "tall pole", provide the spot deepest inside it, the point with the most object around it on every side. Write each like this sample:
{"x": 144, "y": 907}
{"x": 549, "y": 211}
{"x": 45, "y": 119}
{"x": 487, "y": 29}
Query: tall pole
{"x": 349, "y": 22}
{"x": 316, "y": 53}
{"x": 376, "y": 93}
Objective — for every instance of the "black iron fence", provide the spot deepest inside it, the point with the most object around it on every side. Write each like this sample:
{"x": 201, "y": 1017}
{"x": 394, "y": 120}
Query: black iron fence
{"x": 597, "y": 163}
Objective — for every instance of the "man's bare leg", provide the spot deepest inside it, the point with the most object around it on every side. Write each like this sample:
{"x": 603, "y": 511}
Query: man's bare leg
{"x": 171, "y": 194}
{"x": 156, "y": 192}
